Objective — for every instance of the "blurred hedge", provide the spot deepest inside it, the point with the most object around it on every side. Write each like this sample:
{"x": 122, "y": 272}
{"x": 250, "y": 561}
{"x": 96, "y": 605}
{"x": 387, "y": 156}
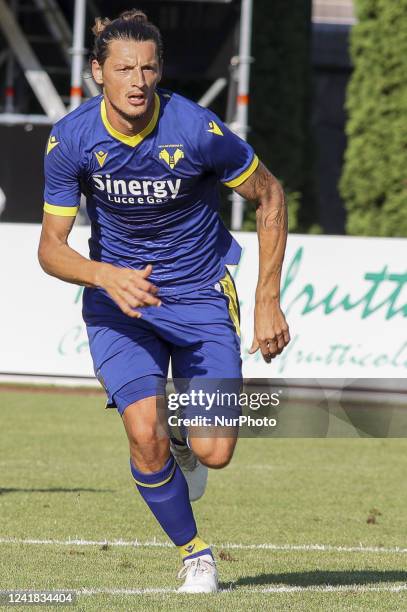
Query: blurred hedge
{"x": 280, "y": 100}
{"x": 374, "y": 180}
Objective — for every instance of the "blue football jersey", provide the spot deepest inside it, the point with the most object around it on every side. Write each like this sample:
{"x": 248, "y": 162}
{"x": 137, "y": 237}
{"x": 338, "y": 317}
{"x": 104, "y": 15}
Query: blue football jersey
{"x": 152, "y": 197}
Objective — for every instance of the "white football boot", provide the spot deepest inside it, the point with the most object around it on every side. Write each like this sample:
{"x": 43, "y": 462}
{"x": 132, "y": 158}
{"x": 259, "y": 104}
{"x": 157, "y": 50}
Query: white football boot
{"x": 195, "y": 473}
{"x": 201, "y": 575}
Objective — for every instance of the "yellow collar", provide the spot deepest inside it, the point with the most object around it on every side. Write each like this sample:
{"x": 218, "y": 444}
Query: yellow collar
{"x": 132, "y": 141}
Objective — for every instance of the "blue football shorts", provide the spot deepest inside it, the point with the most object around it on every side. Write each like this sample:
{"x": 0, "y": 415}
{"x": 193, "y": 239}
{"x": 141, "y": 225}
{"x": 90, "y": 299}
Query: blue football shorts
{"x": 198, "y": 331}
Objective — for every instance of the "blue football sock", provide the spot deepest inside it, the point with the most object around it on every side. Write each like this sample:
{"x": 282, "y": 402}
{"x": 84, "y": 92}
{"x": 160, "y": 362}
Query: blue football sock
{"x": 166, "y": 494}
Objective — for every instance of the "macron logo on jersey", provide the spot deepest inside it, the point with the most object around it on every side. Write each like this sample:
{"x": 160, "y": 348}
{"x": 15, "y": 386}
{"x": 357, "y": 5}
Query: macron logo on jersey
{"x": 101, "y": 157}
{"x": 215, "y": 129}
{"x": 52, "y": 143}
{"x": 123, "y": 191}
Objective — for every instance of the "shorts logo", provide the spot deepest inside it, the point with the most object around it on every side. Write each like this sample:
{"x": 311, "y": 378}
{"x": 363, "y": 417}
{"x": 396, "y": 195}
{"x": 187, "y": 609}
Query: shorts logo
{"x": 52, "y": 143}
{"x": 171, "y": 158}
{"x": 190, "y": 548}
{"x": 101, "y": 157}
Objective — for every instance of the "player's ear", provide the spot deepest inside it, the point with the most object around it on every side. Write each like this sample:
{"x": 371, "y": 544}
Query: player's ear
{"x": 97, "y": 72}
{"x": 160, "y": 70}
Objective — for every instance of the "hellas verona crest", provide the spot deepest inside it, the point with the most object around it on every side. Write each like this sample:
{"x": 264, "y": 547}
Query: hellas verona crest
{"x": 171, "y": 154}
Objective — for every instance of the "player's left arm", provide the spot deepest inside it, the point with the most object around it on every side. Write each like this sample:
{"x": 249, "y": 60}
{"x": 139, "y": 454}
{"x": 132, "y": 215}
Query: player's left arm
{"x": 271, "y": 332}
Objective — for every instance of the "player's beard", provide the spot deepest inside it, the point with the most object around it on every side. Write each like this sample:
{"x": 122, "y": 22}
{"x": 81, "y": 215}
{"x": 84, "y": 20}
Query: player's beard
{"x": 127, "y": 116}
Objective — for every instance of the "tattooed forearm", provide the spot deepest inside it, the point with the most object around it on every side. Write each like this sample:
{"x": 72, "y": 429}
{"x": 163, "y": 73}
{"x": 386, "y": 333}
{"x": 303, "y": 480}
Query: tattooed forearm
{"x": 262, "y": 182}
{"x": 271, "y": 332}
{"x": 277, "y": 217}
{"x": 271, "y": 210}
{"x": 265, "y": 190}
{"x": 258, "y": 184}
{"x": 271, "y": 219}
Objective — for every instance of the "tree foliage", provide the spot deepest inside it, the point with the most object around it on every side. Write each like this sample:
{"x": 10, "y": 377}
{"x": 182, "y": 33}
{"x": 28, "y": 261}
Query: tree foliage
{"x": 374, "y": 180}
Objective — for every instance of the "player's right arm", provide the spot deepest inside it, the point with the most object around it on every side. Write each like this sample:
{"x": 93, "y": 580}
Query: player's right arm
{"x": 129, "y": 289}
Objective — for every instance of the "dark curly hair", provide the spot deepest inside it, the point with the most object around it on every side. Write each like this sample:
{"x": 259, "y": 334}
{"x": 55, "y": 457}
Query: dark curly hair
{"x": 130, "y": 25}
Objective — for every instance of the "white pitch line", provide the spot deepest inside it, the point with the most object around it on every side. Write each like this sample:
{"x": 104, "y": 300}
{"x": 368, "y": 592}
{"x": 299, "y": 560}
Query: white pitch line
{"x": 329, "y": 588}
{"x": 227, "y": 545}
{"x": 277, "y": 589}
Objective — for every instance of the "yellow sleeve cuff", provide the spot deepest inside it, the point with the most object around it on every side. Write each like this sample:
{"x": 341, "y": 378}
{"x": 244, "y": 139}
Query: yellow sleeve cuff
{"x": 245, "y": 175}
{"x": 61, "y": 211}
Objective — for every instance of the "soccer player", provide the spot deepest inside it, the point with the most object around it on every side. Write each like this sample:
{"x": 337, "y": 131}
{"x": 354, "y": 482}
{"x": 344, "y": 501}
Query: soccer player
{"x": 156, "y": 285}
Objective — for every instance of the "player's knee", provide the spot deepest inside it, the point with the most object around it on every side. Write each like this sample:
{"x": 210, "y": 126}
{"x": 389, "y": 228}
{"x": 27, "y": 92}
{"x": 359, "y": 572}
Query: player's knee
{"x": 148, "y": 451}
{"x": 148, "y": 440}
{"x": 144, "y": 431}
{"x": 215, "y": 454}
{"x": 149, "y": 458}
{"x": 144, "y": 435}
{"x": 217, "y": 461}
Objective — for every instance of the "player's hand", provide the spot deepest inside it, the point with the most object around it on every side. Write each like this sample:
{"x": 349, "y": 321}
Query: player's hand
{"x": 271, "y": 332}
{"x": 130, "y": 289}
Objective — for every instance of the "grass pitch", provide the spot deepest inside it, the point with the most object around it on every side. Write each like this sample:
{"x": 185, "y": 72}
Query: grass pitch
{"x": 64, "y": 476}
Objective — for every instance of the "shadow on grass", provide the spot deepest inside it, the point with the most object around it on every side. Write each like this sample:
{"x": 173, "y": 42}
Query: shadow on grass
{"x": 3, "y": 491}
{"x": 320, "y": 578}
